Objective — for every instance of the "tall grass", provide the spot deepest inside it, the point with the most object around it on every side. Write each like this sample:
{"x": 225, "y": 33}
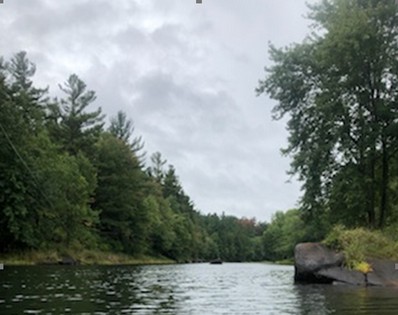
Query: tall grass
{"x": 360, "y": 244}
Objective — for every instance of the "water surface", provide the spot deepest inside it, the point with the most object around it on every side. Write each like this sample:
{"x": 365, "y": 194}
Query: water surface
{"x": 180, "y": 289}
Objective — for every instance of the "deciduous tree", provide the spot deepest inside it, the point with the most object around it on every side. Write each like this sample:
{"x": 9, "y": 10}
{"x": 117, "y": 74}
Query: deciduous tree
{"x": 339, "y": 90}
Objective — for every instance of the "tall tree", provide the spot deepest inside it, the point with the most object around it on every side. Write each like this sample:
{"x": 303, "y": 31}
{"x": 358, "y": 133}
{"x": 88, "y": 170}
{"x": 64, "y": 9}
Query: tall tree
{"x": 173, "y": 190}
{"x": 120, "y": 196}
{"x": 339, "y": 88}
{"x": 29, "y": 100}
{"x": 19, "y": 124}
{"x": 43, "y": 195}
{"x": 69, "y": 121}
{"x": 123, "y": 128}
{"x": 157, "y": 168}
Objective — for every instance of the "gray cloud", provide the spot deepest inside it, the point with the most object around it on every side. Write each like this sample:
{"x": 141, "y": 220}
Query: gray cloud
{"x": 186, "y": 74}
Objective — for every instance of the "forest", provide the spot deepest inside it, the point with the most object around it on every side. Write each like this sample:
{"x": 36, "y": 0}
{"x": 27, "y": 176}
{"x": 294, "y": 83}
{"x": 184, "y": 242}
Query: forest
{"x": 67, "y": 181}
{"x": 71, "y": 178}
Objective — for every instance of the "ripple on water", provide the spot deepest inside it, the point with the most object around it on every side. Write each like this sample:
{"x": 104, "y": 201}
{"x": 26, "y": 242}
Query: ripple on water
{"x": 180, "y": 289}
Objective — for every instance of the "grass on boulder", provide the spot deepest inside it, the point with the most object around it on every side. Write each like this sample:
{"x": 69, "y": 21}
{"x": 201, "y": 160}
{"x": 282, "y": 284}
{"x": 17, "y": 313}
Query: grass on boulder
{"x": 360, "y": 244}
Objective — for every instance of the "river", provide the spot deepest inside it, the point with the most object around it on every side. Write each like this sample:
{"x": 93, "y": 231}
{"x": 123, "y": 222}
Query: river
{"x": 246, "y": 288}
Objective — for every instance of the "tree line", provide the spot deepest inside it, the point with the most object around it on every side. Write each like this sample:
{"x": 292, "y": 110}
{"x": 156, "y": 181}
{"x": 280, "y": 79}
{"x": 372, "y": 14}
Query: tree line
{"x": 339, "y": 91}
{"x": 67, "y": 181}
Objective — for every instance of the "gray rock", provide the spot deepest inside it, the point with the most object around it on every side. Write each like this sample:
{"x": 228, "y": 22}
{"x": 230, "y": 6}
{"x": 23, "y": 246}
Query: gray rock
{"x": 315, "y": 263}
{"x": 385, "y": 273}
{"x": 343, "y": 275}
{"x": 312, "y": 257}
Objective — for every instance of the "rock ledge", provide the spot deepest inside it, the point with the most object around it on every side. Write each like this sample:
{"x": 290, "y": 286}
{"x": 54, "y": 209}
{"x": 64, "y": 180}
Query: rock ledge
{"x": 315, "y": 263}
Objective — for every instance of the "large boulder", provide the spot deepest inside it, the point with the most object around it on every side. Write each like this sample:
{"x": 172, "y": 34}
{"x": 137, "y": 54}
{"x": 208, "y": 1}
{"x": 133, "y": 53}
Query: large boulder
{"x": 315, "y": 263}
{"x": 385, "y": 273}
{"x": 310, "y": 258}
{"x": 341, "y": 275}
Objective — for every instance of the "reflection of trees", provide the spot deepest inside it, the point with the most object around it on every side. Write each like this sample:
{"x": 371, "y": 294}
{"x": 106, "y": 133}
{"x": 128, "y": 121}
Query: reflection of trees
{"x": 311, "y": 299}
{"x": 341, "y": 299}
{"x": 114, "y": 289}
{"x": 88, "y": 290}
{"x": 157, "y": 290}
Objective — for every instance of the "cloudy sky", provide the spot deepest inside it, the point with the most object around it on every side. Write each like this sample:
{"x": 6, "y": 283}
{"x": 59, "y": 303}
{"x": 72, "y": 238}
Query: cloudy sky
{"x": 186, "y": 74}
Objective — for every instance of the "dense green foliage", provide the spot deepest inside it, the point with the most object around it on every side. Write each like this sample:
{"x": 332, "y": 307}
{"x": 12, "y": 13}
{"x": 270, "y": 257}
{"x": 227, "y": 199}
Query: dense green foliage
{"x": 339, "y": 91}
{"x": 283, "y": 233}
{"x": 359, "y": 244}
{"x": 68, "y": 184}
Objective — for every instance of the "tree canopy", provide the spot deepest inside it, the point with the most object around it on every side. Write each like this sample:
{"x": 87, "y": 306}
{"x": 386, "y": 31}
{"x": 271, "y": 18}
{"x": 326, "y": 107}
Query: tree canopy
{"x": 338, "y": 89}
{"x": 66, "y": 182}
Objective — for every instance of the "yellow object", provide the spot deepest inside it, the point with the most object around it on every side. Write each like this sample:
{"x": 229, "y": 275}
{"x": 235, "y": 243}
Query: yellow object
{"x": 363, "y": 267}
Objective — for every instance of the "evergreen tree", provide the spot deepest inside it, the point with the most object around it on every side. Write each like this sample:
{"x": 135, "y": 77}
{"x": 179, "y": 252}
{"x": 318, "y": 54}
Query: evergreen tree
{"x": 19, "y": 124}
{"x": 70, "y": 123}
{"x": 44, "y": 197}
{"x": 120, "y": 196}
{"x": 29, "y": 100}
{"x": 157, "y": 168}
{"x": 123, "y": 128}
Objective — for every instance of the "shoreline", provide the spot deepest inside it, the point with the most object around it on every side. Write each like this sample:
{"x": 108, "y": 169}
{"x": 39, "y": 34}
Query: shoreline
{"x": 74, "y": 257}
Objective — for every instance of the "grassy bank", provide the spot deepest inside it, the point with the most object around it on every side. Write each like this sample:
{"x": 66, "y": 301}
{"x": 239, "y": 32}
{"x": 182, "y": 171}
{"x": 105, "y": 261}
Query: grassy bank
{"x": 84, "y": 257}
{"x": 360, "y": 244}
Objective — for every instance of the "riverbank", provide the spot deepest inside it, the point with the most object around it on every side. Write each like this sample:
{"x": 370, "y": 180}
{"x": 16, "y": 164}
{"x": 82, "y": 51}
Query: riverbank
{"x": 360, "y": 244}
{"x": 355, "y": 257}
{"x": 83, "y": 257}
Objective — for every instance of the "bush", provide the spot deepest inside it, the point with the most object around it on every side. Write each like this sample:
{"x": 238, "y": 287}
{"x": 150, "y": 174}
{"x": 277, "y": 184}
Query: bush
{"x": 359, "y": 244}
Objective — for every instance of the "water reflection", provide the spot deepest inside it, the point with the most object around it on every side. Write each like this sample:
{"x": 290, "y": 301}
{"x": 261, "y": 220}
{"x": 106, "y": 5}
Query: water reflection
{"x": 180, "y": 289}
{"x": 340, "y": 299}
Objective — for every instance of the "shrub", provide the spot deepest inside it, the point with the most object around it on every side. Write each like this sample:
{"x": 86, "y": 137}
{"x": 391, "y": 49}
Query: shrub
{"x": 359, "y": 244}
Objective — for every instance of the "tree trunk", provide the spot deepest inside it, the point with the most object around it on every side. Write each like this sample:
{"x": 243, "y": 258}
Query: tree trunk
{"x": 371, "y": 191}
{"x": 384, "y": 184}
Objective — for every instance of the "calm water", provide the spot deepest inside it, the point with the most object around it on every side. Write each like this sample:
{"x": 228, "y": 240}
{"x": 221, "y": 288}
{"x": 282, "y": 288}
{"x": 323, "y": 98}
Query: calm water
{"x": 180, "y": 289}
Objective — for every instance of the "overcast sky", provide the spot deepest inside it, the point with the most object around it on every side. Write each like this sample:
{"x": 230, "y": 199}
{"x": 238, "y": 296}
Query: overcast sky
{"x": 186, "y": 74}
